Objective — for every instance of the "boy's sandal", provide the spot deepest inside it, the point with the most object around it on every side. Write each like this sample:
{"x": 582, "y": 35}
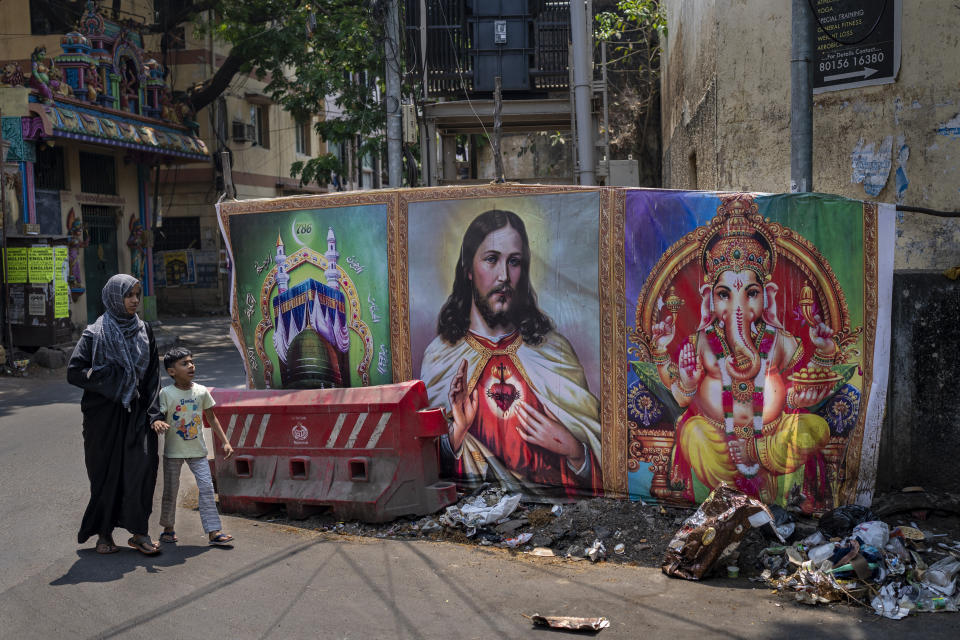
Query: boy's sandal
{"x": 169, "y": 536}
{"x": 221, "y": 539}
{"x": 147, "y": 548}
{"x": 105, "y": 548}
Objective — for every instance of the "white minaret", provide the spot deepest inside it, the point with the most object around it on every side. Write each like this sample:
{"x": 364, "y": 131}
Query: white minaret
{"x": 332, "y": 255}
{"x": 283, "y": 279}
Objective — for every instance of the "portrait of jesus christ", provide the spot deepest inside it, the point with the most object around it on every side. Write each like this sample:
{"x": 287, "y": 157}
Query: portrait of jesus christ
{"x": 518, "y": 403}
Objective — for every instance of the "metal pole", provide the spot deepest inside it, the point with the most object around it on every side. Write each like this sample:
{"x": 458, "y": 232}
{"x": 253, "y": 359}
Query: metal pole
{"x": 392, "y": 98}
{"x": 582, "y": 77}
{"x": 7, "y": 330}
{"x": 497, "y": 127}
{"x": 801, "y": 98}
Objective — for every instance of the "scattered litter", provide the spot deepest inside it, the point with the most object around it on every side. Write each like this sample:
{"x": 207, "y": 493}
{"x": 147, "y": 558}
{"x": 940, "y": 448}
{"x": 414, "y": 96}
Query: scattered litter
{"x": 596, "y": 552}
{"x": 620, "y": 549}
{"x": 557, "y": 510}
{"x": 841, "y": 521}
{"x": 543, "y": 552}
{"x": 733, "y": 571}
{"x": 523, "y": 538}
{"x": 573, "y": 624}
{"x": 478, "y": 513}
{"x": 713, "y": 532}
{"x": 869, "y": 565}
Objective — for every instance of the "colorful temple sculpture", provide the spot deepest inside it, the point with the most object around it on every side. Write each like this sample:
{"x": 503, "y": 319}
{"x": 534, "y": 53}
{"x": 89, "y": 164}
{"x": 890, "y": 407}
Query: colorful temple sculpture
{"x": 311, "y": 333}
{"x": 103, "y": 98}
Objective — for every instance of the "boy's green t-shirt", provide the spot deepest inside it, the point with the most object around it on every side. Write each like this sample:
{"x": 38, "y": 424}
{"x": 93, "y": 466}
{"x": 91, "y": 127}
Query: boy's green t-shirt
{"x": 184, "y": 411}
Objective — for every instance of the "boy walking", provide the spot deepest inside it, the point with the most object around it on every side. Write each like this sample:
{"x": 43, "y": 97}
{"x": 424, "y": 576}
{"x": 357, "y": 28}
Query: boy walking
{"x": 185, "y": 403}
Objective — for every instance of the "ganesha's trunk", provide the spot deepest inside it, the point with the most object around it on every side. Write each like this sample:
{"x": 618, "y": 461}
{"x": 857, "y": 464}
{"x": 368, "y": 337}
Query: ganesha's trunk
{"x": 744, "y": 363}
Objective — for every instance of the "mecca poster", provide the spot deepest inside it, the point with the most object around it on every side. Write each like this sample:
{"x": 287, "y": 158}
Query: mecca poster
{"x": 310, "y": 296}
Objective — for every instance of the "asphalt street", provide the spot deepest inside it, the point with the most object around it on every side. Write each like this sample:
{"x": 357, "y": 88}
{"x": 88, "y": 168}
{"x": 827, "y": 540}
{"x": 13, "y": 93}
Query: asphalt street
{"x": 286, "y": 582}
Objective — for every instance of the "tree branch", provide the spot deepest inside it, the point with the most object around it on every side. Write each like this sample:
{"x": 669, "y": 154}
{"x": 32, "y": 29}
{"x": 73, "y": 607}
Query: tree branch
{"x": 216, "y": 85}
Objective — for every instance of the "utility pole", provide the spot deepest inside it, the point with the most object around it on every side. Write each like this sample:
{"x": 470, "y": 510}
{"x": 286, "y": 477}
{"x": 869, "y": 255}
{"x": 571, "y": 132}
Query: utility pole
{"x": 801, "y": 98}
{"x": 392, "y": 98}
{"x": 497, "y": 126}
{"x": 7, "y": 331}
{"x": 582, "y": 81}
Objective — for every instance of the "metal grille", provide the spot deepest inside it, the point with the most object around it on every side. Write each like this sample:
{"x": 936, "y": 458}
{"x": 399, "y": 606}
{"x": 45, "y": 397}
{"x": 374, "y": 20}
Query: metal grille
{"x": 551, "y": 44}
{"x": 101, "y": 224}
{"x": 178, "y": 233}
{"x": 98, "y": 173}
{"x": 449, "y": 43}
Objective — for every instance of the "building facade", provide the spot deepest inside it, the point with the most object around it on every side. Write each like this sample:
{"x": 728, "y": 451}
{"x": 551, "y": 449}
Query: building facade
{"x": 726, "y": 114}
{"x": 87, "y": 117}
{"x": 144, "y": 205}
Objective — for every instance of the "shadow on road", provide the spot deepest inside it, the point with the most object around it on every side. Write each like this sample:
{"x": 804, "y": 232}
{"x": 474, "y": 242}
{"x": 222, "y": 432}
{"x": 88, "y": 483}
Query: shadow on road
{"x": 93, "y": 567}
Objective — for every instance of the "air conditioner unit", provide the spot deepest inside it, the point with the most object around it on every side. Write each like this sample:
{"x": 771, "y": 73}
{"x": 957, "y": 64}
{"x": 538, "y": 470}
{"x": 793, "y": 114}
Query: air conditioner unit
{"x": 243, "y": 131}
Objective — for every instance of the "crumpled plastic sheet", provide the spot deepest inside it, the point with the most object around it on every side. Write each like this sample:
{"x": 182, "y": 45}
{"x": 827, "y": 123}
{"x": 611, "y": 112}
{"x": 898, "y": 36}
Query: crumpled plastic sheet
{"x": 476, "y": 513}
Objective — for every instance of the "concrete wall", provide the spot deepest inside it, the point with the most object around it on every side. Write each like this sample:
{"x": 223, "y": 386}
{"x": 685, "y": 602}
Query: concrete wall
{"x": 920, "y": 442}
{"x": 726, "y": 98}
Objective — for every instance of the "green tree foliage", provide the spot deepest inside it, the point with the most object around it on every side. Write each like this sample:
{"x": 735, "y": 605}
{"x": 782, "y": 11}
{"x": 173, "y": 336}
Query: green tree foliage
{"x": 633, "y": 30}
{"x": 305, "y": 51}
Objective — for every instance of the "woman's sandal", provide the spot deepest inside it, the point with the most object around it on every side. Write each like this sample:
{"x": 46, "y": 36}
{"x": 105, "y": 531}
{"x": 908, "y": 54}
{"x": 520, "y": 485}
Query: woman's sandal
{"x": 104, "y": 548}
{"x": 221, "y": 539}
{"x": 169, "y": 536}
{"x": 146, "y": 548}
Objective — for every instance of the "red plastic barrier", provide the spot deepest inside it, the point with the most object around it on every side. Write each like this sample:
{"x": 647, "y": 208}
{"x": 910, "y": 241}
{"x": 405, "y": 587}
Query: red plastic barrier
{"x": 368, "y": 453}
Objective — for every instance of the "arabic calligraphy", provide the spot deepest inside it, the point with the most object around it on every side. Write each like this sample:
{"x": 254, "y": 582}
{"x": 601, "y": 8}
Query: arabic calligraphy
{"x": 355, "y": 264}
{"x": 373, "y": 309}
{"x": 383, "y": 360}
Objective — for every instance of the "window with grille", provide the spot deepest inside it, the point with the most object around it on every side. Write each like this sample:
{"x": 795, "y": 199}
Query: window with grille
{"x": 98, "y": 173}
{"x": 178, "y": 233}
{"x": 48, "y": 170}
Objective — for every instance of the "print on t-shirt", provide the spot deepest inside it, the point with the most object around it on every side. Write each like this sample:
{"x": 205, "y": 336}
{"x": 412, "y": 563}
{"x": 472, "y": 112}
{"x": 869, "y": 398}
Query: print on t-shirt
{"x": 187, "y": 430}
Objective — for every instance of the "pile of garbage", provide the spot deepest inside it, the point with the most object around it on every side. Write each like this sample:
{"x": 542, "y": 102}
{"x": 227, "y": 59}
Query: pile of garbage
{"x": 849, "y": 555}
{"x": 852, "y": 556}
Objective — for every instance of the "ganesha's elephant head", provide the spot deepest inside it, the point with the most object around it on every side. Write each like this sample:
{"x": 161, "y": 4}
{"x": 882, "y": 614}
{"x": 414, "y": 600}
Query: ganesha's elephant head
{"x": 738, "y": 299}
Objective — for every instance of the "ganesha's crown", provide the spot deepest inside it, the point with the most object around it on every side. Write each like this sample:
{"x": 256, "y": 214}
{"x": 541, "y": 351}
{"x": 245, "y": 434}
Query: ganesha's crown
{"x": 737, "y": 239}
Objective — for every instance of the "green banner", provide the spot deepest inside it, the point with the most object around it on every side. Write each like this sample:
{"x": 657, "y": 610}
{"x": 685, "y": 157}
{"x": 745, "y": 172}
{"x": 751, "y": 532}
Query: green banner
{"x": 17, "y": 265}
{"x": 40, "y": 265}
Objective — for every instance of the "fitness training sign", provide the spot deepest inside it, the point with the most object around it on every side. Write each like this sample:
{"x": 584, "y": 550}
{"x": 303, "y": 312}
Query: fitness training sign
{"x": 857, "y": 43}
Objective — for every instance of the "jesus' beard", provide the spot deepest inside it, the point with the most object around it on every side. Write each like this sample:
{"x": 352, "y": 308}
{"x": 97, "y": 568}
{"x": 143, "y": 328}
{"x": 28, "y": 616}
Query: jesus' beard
{"x": 504, "y": 318}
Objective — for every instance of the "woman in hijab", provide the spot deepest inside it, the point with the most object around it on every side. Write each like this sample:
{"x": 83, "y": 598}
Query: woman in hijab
{"x": 116, "y": 365}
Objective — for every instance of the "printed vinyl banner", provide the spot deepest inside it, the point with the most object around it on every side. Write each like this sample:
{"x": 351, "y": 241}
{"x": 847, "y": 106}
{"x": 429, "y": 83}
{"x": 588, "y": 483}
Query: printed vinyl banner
{"x": 310, "y": 295}
{"x": 585, "y": 341}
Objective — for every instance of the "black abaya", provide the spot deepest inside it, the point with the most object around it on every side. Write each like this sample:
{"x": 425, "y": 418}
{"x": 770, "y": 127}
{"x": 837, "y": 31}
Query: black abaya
{"x": 120, "y": 447}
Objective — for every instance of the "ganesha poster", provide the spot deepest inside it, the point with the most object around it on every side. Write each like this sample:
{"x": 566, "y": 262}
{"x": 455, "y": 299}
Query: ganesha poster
{"x": 757, "y": 345}
{"x": 310, "y": 295}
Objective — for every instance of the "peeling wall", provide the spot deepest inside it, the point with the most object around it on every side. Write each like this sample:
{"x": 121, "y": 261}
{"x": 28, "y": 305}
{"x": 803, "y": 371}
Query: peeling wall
{"x": 735, "y": 54}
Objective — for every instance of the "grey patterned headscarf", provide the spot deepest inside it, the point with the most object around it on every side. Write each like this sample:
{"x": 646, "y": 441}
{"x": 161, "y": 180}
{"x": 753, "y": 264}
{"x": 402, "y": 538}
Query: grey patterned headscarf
{"x": 119, "y": 338}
